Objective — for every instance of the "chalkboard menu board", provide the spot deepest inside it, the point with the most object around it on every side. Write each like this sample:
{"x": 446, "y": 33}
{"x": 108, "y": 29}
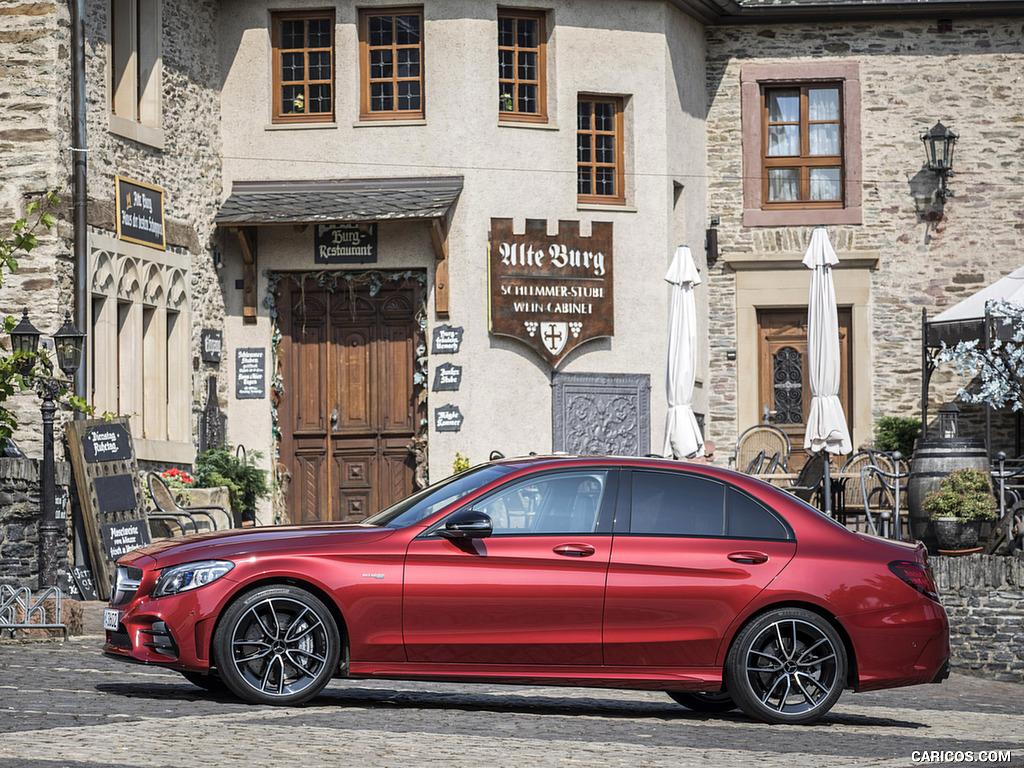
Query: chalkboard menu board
{"x": 84, "y": 581}
{"x": 121, "y": 538}
{"x": 106, "y": 442}
{"x": 115, "y": 493}
{"x": 250, "y": 373}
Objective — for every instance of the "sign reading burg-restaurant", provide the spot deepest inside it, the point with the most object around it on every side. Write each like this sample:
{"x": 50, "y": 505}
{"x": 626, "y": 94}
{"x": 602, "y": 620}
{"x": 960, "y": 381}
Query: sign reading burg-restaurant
{"x": 553, "y": 292}
{"x": 140, "y": 213}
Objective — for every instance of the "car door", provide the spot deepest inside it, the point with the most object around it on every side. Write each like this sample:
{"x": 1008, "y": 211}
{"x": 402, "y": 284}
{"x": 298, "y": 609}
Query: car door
{"x": 692, "y": 553}
{"x": 530, "y": 593}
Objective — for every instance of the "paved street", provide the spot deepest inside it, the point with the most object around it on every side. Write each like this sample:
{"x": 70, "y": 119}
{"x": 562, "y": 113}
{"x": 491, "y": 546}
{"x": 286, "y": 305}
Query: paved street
{"x": 64, "y": 705}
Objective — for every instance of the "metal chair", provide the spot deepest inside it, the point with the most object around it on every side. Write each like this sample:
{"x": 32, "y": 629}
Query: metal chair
{"x": 808, "y": 483}
{"x": 883, "y": 493}
{"x": 168, "y": 506}
{"x": 764, "y": 439}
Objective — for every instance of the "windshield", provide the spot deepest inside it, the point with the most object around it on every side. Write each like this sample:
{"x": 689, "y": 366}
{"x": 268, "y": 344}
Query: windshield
{"x": 424, "y": 503}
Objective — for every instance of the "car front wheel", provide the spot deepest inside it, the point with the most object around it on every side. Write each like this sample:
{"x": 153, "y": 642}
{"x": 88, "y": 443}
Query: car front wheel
{"x": 277, "y": 645}
{"x": 786, "y": 666}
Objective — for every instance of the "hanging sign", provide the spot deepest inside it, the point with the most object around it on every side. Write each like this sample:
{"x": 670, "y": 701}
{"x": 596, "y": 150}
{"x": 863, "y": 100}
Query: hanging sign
{"x": 107, "y": 442}
{"x": 250, "y": 373}
{"x": 140, "y": 213}
{"x": 448, "y": 418}
{"x": 553, "y": 292}
{"x": 447, "y": 378}
{"x": 446, "y": 340}
{"x": 345, "y": 244}
{"x": 212, "y": 342}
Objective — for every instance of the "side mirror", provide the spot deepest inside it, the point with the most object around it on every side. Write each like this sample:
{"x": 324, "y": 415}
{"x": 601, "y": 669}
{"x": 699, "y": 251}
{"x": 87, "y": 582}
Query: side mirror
{"x": 467, "y": 524}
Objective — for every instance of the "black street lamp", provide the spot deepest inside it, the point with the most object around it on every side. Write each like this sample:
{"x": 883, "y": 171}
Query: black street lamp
{"x": 68, "y": 342}
{"x": 939, "y": 143}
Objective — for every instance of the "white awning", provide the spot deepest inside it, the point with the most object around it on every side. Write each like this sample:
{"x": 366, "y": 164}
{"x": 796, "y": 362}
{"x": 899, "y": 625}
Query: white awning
{"x": 1009, "y": 288}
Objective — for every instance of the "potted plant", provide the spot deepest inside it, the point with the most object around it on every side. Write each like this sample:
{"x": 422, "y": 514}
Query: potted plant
{"x": 959, "y": 509}
{"x": 246, "y": 483}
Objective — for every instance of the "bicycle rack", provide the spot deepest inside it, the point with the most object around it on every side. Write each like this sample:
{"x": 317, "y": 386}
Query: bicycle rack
{"x": 18, "y": 608}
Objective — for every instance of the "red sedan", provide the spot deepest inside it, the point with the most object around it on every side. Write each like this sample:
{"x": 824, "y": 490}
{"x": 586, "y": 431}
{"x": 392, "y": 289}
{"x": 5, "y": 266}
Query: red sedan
{"x": 623, "y": 573}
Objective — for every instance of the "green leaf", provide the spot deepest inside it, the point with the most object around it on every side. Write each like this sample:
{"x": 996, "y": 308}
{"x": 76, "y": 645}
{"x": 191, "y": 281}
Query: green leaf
{"x": 46, "y": 220}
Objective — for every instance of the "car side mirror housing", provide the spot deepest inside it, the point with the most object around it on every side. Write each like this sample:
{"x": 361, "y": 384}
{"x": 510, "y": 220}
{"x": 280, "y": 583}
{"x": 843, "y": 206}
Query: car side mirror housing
{"x": 467, "y": 524}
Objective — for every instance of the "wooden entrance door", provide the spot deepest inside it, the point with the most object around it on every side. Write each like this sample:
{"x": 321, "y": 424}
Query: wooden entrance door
{"x": 350, "y": 405}
{"x": 784, "y": 387}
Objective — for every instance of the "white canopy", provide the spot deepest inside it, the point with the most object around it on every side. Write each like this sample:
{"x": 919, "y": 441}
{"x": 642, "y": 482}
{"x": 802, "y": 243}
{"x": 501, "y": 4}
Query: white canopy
{"x": 1009, "y": 288}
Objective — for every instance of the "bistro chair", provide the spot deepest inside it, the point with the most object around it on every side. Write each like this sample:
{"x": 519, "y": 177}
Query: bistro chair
{"x": 763, "y": 439}
{"x": 808, "y": 483}
{"x": 199, "y": 518}
{"x": 884, "y": 508}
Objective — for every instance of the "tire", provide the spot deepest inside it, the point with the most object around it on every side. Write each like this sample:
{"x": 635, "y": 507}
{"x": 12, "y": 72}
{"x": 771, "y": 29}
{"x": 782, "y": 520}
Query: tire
{"x": 786, "y": 666}
{"x": 277, "y": 645}
{"x": 210, "y": 683}
{"x": 717, "y": 701}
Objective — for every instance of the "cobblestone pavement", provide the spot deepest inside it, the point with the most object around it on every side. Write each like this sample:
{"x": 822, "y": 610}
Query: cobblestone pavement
{"x": 64, "y": 705}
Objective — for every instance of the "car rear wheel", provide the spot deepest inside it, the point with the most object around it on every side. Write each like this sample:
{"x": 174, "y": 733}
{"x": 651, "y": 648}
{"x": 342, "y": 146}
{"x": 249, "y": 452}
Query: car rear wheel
{"x": 277, "y": 645}
{"x": 786, "y": 666}
{"x": 716, "y": 701}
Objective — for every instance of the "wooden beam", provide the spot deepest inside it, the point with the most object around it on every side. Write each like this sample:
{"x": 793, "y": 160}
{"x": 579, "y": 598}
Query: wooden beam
{"x": 247, "y": 241}
{"x": 439, "y": 236}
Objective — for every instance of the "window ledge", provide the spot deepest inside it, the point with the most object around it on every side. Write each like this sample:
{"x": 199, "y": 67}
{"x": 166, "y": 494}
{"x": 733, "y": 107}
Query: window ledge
{"x": 609, "y": 207}
{"x": 165, "y": 451}
{"x": 298, "y": 126}
{"x": 525, "y": 124}
{"x": 810, "y": 217}
{"x": 382, "y": 123}
{"x": 129, "y": 129}
{"x": 795, "y": 260}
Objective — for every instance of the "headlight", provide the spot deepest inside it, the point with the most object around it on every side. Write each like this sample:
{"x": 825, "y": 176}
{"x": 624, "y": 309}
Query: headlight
{"x": 181, "y": 578}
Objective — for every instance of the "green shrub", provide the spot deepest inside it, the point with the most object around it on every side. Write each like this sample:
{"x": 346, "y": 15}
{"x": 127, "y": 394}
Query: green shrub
{"x": 246, "y": 483}
{"x": 897, "y": 433}
{"x": 965, "y": 494}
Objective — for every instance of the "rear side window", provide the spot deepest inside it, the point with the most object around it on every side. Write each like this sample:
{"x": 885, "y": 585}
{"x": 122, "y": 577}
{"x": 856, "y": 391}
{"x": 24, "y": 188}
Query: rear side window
{"x": 675, "y": 504}
{"x": 747, "y": 519}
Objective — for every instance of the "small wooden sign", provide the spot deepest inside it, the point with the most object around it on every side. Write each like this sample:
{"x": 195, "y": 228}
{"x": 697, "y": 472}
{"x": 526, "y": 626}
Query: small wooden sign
{"x": 552, "y": 292}
{"x": 447, "y": 378}
{"x": 345, "y": 243}
{"x": 121, "y": 538}
{"x": 250, "y": 373}
{"x": 106, "y": 442}
{"x": 140, "y": 213}
{"x": 446, "y": 340}
{"x": 448, "y": 418}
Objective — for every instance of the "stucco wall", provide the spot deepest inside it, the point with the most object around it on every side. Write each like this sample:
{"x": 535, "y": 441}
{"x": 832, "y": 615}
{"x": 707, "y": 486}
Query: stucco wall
{"x": 928, "y": 255}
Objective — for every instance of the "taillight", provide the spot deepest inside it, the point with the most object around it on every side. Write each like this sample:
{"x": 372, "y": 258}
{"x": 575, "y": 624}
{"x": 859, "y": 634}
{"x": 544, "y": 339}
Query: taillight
{"x": 917, "y": 576}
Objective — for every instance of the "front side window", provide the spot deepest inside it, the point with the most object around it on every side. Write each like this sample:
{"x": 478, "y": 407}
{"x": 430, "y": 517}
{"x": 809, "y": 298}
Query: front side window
{"x": 802, "y": 145}
{"x": 303, "y": 50}
{"x": 391, "y": 63}
{"x": 521, "y": 66}
{"x": 566, "y": 502}
{"x": 599, "y": 163}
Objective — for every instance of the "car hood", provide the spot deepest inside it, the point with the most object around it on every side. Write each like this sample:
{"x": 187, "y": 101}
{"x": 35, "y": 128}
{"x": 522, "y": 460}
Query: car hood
{"x": 240, "y": 542}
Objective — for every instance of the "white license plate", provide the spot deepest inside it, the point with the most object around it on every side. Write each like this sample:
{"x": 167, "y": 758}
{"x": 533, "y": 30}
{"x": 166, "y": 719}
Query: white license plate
{"x": 111, "y": 619}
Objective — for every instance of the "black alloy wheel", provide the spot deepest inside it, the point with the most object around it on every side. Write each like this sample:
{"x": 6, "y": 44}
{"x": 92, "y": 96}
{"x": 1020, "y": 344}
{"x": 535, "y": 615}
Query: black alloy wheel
{"x": 704, "y": 701}
{"x": 786, "y": 666}
{"x": 277, "y": 645}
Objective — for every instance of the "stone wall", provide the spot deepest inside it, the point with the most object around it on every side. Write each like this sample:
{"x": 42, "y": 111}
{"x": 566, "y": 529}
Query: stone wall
{"x": 984, "y": 597}
{"x": 19, "y": 521}
{"x": 929, "y": 255}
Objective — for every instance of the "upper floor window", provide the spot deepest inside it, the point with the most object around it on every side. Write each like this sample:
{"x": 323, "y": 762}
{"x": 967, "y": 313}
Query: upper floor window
{"x": 801, "y": 143}
{"x": 803, "y": 160}
{"x": 521, "y": 66}
{"x": 600, "y": 177}
{"x": 135, "y": 69}
{"x": 303, "y": 50}
{"x": 391, "y": 63}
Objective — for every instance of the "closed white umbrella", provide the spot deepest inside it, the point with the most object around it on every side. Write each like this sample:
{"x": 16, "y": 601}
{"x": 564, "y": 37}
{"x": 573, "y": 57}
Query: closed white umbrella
{"x": 682, "y": 435}
{"x": 826, "y": 424}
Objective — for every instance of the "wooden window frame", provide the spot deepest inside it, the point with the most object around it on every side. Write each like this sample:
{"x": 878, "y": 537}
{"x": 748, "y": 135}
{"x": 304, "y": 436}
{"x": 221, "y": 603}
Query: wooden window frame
{"x": 514, "y": 115}
{"x": 365, "y": 112}
{"x": 619, "y": 198}
{"x": 277, "y": 116}
{"x": 803, "y": 162}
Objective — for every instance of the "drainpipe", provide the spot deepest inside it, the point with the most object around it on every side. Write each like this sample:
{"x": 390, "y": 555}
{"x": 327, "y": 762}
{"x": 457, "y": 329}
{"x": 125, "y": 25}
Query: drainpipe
{"x": 79, "y": 193}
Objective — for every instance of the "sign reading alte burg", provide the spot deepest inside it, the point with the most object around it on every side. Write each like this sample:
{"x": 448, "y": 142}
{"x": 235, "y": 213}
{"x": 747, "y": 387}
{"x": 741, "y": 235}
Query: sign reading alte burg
{"x": 553, "y": 292}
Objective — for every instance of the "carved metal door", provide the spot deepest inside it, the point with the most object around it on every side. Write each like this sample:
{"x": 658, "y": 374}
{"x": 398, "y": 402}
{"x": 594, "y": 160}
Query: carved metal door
{"x": 350, "y": 406}
{"x": 784, "y": 384}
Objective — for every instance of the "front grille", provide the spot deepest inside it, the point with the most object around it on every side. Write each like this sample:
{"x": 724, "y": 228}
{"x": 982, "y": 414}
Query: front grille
{"x": 119, "y": 639}
{"x": 126, "y": 584}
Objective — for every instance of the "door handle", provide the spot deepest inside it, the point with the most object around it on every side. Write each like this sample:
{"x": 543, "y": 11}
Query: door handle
{"x": 574, "y": 550}
{"x": 748, "y": 558}
{"x": 334, "y": 418}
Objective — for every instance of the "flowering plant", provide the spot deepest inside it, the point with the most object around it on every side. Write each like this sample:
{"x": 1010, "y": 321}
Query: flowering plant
{"x": 175, "y": 478}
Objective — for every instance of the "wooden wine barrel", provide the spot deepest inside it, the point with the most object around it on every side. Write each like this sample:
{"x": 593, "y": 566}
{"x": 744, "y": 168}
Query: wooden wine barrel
{"x": 934, "y": 458}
